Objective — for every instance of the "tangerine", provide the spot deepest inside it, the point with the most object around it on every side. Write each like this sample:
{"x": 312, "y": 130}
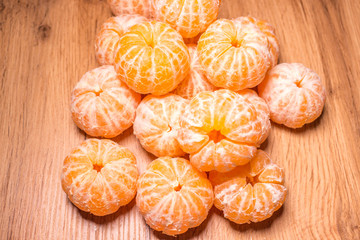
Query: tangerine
{"x": 157, "y": 122}
{"x": 250, "y": 193}
{"x": 294, "y": 94}
{"x": 107, "y": 40}
{"x": 99, "y": 176}
{"x": 101, "y": 105}
{"x": 236, "y": 54}
{"x": 152, "y": 58}
{"x": 220, "y": 130}
{"x": 173, "y": 196}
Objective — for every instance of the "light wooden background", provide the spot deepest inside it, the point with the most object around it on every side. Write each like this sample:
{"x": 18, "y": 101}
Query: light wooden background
{"x": 46, "y": 46}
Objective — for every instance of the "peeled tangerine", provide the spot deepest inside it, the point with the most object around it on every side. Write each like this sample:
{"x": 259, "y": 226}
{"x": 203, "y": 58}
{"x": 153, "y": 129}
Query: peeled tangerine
{"x": 152, "y": 58}
{"x": 250, "y": 193}
{"x": 220, "y": 130}
{"x": 101, "y": 105}
{"x": 173, "y": 196}
{"x": 189, "y": 17}
{"x": 294, "y": 94}
{"x": 99, "y": 176}
{"x": 157, "y": 122}
{"x": 196, "y": 80}
{"x": 107, "y": 40}
{"x": 237, "y": 53}
{"x": 141, "y": 7}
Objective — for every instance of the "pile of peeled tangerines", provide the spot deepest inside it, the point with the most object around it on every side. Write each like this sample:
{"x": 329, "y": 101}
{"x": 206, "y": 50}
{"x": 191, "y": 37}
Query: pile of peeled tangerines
{"x": 198, "y": 74}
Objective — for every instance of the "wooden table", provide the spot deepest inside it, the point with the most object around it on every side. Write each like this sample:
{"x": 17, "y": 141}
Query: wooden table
{"x": 46, "y": 46}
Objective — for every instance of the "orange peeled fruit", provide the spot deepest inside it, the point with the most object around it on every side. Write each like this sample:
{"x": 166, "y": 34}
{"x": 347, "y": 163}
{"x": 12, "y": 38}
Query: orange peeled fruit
{"x": 294, "y": 94}
{"x": 261, "y": 108}
{"x": 189, "y": 17}
{"x": 237, "y": 53}
{"x": 101, "y": 105}
{"x": 99, "y": 176}
{"x": 220, "y": 130}
{"x": 250, "y": 193}
{"x": 119, "y": 7}
{"x": 107, "y": 40}
{"x": 152, "y": 58}
{"x": 173, "y": 196}
{"x": 157, "y": 122}
{"x": 196, "y": 80}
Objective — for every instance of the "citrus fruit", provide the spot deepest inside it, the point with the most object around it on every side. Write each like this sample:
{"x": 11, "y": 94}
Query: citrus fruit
{"x": 294, "y": 94}
{"x": 173, "y": 196}
{"x": 99, "y": 176}
{"x": 189, "y": 17}
{"x": 157, "y": 122}
{"x": 250, "y": 193}
{"x": 220, "y": 130}
{"x": 236, "y": 54}
{"x": 152, "y": 58}
{"x": 261, "y": 108}
{"x": 195, "y": 81}
{"x": 141, "y": 7}
{"x": 101, "y": 105}
{"x": 107, "y": 40}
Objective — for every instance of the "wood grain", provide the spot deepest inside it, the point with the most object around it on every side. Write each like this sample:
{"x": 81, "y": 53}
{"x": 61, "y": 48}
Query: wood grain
{"x": 46, "y": 46}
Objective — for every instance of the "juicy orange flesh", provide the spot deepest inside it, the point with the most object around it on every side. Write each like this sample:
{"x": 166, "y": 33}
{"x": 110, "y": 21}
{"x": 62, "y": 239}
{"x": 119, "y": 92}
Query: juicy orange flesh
{"x": 97, "y": 167}
{"x": 216, "y": 136}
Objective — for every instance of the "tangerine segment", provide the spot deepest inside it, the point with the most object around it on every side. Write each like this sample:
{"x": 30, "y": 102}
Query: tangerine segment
{"x": 236, "y": 125}
{"x": 294, "y": 94}
{"x": 101, "y": 105}
{"x": 188, "y": 17}
{"x": 262, "y": 109}
{"x": 152, "y": 58}
{"x": 157, "y": 122}
{"x": 119, "y": 7}
{"x": 250, "y": 193}
{"x": 269, "y": 31}
{"x": 99, "y": 176}
{"x": 173, "y": 196}
{"x": 195, "y": 81}
{"x": 235, "y": 54}
{"x": 107, "y": 40}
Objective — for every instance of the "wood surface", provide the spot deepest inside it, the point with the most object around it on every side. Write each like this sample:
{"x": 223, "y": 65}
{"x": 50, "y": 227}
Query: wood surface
{"x": 47, "y": 45}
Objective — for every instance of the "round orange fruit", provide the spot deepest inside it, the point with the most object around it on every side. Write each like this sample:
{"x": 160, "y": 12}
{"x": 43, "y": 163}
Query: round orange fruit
{"x": 261, "y": 108}
{"x": 189, "y": 17}
{"x": 101, "y": 105}
{"x": 294, "y": 94}
{"x": 173, "y": 196}
{"x": 196, "y": 80}
{"x": 107, "y": 40}
{"x": 99, "y": 176}
{"x": 220, "y": 130}
{"x": 157, "y": 122}
{"x": 236, "y": 54}
{"x": 119, "y": 7}
{"x": 152, "y": 58}
{"x": 250, "y": 193}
